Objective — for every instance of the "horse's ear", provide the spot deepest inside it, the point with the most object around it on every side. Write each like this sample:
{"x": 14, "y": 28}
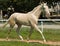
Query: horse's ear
{"x": 46, "y": 3}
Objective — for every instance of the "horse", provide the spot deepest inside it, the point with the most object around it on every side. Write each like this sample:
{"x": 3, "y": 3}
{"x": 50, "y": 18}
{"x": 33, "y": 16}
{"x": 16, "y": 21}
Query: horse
{"x": 28, "y": 19}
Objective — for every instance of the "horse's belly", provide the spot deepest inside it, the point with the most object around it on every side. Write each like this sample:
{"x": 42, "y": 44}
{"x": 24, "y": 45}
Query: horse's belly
{"x": 23, "y": 22}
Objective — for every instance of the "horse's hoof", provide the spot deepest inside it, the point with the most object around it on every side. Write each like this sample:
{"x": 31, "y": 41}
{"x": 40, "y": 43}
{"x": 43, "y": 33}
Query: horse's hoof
{"x": 44, "y": 40}
{"x": 27, "y": 39}
{"x": 22, "y": 39}
{"x": 7, "y": 38}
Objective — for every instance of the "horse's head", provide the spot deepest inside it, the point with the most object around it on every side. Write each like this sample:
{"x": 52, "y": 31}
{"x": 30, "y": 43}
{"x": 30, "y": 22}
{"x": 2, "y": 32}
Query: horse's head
{"x": 45, "y": 9}
{"x": 40, "y": 8}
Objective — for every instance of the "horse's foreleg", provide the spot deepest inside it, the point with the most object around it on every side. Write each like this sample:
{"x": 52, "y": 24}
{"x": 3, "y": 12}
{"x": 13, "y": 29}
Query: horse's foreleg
{"x": 36, "y": 27}
{"x": 17, "y": 30}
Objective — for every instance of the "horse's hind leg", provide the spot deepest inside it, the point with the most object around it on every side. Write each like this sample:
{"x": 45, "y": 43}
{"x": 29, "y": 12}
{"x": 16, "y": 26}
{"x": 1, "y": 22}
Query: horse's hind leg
{"x": 30, "y": 32}
{"x": 17, "y": 30}
{"x": 11, "y": 27}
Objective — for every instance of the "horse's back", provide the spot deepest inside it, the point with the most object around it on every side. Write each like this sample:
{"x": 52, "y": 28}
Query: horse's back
{"x": 21, "y": 18}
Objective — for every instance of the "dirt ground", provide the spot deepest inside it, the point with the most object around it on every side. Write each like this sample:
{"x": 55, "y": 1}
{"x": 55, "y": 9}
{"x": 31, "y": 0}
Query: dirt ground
{"x": 38, "y": 41}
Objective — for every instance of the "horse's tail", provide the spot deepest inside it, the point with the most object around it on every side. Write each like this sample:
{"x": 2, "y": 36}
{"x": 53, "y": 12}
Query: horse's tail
{"x": 5, "y": 24}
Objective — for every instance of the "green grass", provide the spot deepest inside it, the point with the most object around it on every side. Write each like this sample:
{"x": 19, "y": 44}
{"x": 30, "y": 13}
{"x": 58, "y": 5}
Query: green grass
{"x": 15, "y": 43}
{"x": 50, "y": 34}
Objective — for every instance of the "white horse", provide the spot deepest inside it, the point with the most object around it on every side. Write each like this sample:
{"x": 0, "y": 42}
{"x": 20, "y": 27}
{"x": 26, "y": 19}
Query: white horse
{"x": 28, "y": 19}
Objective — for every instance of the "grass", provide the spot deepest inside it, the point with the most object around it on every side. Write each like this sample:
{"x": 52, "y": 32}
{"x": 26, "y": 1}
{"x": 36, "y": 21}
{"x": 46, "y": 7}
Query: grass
{"x": 50, "y": 35}
{"x": 15, "y": 43}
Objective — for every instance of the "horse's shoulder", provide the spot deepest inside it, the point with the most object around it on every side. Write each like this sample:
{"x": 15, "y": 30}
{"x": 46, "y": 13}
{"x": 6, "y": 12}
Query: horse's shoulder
{"x": 33, "y": 18}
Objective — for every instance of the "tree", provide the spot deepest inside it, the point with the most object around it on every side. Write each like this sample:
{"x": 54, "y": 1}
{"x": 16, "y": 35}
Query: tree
{"x": 22, "y": 5}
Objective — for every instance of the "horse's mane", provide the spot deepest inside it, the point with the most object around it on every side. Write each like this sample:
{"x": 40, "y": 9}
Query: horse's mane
{"x": 34, "y": 9}
{"x": 37, "y": 7}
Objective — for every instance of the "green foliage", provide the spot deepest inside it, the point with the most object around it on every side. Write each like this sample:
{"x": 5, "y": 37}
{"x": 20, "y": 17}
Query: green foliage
{"x": 22, "y": 5}
{"x": 19, "y": 5}
{"x": 25, "y": 5}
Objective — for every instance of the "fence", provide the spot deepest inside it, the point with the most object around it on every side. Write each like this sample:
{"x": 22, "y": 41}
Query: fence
{"x": 40, "y": 20}
{"x": 43, "y": 20}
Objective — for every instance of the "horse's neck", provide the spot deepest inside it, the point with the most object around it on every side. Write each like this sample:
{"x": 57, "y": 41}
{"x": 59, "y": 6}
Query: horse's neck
{"x": 33, "y": 10}
{"x": 37, "y": 12}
